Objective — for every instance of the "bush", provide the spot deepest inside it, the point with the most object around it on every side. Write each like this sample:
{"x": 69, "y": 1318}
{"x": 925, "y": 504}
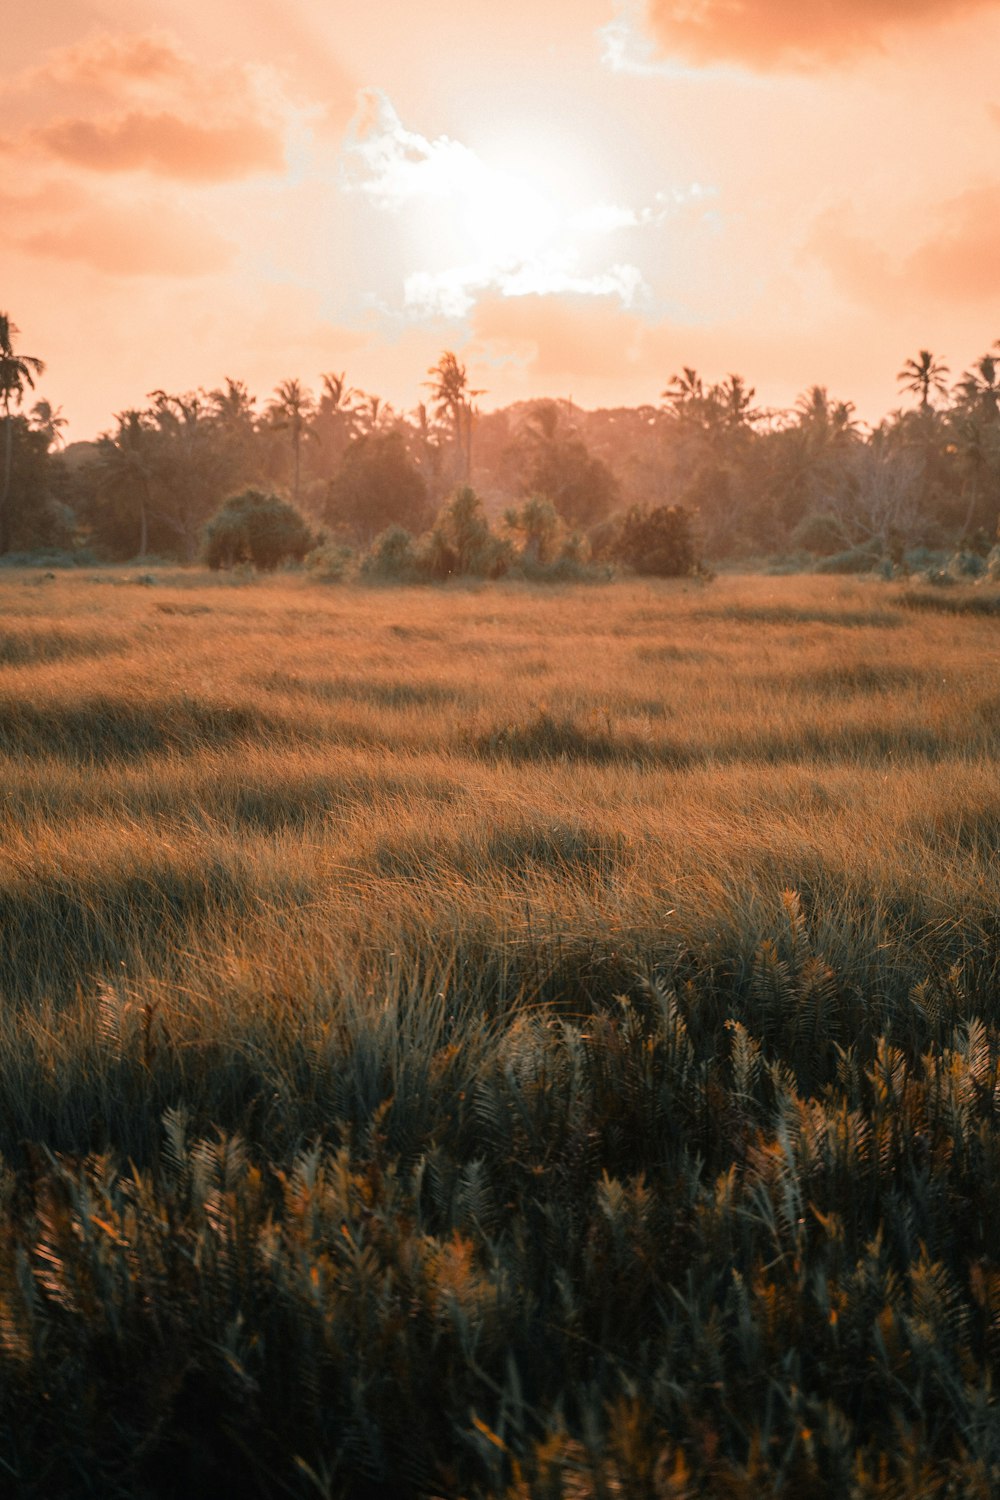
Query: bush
{"x": 329, "y": 562}
{"x": 539, "y": 528}
{"x": 818, "y": 534}
{"x": 856, "y": 560}
{"x": 462, "y": 543}
{"x": 255, "y": 528}
{"x": 658, "y": 542}
{"x": 391, "y": 557}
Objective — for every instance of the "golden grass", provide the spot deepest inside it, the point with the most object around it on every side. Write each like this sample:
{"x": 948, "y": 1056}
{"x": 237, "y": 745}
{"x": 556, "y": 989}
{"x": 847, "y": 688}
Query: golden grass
{"x": 369, "y": 868}
{"x": 640, "y": 769}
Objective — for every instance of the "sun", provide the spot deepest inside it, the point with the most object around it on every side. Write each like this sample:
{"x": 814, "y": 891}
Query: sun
{"x": 508, "y": 218}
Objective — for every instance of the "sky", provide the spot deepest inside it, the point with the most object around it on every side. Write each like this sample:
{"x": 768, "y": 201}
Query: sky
{"x": 579, "y": 197}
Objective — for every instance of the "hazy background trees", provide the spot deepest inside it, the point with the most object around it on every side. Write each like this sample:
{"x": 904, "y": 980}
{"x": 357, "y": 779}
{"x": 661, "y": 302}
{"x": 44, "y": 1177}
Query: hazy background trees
{"x": 808, "y": 480}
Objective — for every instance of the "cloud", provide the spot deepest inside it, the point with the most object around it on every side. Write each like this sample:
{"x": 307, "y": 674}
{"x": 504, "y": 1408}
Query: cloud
{"x": 453, "y": 293}
{"x": 393, "y": 166}
{"x": 762, "y": 34}
{"x": 957, "y": 261}
{"x": 105, "y": 62}
{"x": 165, "y": 145}
{"x": 145, "y": 239}
{"x": 170, "y": 115}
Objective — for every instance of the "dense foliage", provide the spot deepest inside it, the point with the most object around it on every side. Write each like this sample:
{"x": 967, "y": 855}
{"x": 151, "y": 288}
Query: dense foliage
{"x": 658, "y": 542}
{"x": 256, "y": 528}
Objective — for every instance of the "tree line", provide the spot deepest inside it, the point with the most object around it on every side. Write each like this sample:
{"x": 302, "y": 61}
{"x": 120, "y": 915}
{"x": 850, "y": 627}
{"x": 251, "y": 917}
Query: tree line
{"x": 754, "y": 480}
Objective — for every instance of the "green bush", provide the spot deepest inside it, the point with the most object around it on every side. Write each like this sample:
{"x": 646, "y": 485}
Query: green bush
{"x": 256, "y": 528}
{"x": 461, "y": 542}
{"x": 391, "y": 557}
{"x": 818, "y": 534}
{"x": 856, "y": 560}
{"x": 657, "y": 542}
{"x": 329, "y": 562}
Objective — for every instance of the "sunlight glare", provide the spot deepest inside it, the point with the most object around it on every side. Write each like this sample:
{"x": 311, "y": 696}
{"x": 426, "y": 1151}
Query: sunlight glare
{"x": 508, "y": 218}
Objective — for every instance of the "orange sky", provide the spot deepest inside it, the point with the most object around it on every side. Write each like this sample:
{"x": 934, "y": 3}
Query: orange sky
{"x": 579, "y": 196}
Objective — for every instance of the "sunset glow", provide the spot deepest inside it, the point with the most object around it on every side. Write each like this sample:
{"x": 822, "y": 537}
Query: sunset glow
{"x": 581, "y": 196}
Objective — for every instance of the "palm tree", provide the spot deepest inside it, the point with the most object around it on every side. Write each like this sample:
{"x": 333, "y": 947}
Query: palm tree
{"x": 48, "y": 420}
{"x": 125, "y": 466}
{"x": 980, "y": 386}
{"x": 292, "y": 411}
{"x": 450, "y": 389}
{"x": 337, "y": 418}
{"x": 923, "y": 375}
{"x": 736, "y": 400}
{"x": 16, "y": 372}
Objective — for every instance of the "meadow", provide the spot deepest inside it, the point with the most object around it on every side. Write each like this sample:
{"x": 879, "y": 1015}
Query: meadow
{"x": 498, "y": 1041}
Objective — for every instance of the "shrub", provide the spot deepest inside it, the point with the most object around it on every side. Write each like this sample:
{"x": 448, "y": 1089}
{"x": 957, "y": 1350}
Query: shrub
{"x": 462, "y": 543}
{"x": 256, "y": 528}
{"x": 391, "y": 557}
{"x": 856, "y": 560}
{"x": 538, "y": 526}
{"x": 658, "y": 542}
{"x": 818, "y": 534}
{"x": 329, "y": 562}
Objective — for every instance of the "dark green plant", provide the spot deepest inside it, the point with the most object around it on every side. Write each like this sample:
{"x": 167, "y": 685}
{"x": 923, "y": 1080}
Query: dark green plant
{"x": 461, "y": 542}
{"x": 658, "y": 542}
{"x": 256, "y": 528}
{"x": 392, "y": 558}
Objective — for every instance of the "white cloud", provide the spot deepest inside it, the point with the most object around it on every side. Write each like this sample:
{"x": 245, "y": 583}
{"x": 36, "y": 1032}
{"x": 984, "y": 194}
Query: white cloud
{"x": 393, "y": 166}
{"x": 452, "y": 293}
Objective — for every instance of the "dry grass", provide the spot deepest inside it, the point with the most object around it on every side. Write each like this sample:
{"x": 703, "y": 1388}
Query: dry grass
{"x": 630, "y": 772}
{"x": 252, "y": 831}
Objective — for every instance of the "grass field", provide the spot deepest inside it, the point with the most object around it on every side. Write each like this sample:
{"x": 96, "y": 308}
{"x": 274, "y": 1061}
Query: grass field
{"x": 499, "y": 1042}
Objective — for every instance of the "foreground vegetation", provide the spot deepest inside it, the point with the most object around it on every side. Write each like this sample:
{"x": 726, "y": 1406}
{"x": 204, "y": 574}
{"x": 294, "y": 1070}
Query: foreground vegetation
{"x": 498, "y": 1042}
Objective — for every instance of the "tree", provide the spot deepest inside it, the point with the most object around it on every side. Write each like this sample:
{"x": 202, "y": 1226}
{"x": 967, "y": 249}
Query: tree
{"x": 556, "y": 465}
{"x": 292, "y": 410}
{"x": 231, "y": 412}
{"x": 923, "y": 375}
{"x": 16, "y": 372}
{"x": 48, "y": 420}
{"x": 979, "y": 387}
{"x": 539, "y": 528}
{"x": 124, "y": 471}
{"x": 192, "y": 465}
{"x": 337, "y": 421}
{"x": 450, "y": 389}
{"x": 377, "y": 486}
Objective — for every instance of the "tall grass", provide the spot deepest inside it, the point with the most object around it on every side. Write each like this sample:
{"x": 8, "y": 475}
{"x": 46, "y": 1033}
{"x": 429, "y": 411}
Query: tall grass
{"x": 497, "y": 1042}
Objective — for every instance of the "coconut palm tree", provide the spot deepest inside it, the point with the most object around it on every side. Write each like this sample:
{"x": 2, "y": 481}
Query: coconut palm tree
{"x": 980, "y": 387}
{"x": 292, "y": 410}
{"x": 338, "y": 418}
{"x": 125, "y": 466}
{"x": 16, "y": 372}
{"x": 452, "y": 396}
{"x": 47, "y": 420}
{"x": 922, "y": 375}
